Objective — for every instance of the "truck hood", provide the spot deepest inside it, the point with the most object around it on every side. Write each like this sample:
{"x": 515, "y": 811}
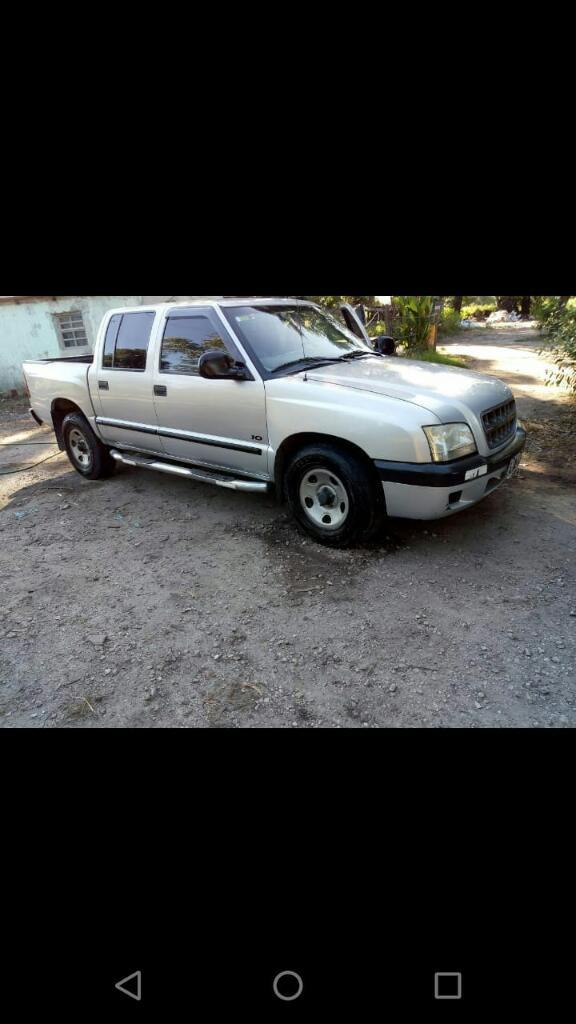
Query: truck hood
{"x": 447, "y": 392}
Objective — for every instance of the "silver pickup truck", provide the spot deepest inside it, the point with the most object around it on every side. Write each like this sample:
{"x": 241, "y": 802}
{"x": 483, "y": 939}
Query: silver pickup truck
{"x": 255, "y": 394}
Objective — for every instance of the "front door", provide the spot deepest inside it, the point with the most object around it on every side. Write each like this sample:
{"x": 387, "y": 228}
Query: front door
{"x": 214, "y": 423}
{"x": 127, "y": 414}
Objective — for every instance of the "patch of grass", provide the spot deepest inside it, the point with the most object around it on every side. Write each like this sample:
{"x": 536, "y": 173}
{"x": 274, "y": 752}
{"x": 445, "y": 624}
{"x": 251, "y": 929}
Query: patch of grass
{"x": 428, "y": 356}
{"x": 227, "y": 698}
{"x": 81, "y": 708}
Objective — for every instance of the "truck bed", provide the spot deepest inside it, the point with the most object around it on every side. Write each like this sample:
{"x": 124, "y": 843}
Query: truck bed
{"x": 63, "y": 380}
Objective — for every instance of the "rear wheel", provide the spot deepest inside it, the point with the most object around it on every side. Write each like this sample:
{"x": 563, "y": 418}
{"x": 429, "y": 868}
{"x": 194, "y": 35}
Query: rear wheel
{"x": 334, "y": 496}
{"x": 87, "y": 454}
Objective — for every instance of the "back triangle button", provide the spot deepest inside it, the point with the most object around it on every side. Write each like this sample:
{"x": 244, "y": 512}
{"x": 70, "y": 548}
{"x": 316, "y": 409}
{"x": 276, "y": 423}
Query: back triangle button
{"x": 131, "y": 986}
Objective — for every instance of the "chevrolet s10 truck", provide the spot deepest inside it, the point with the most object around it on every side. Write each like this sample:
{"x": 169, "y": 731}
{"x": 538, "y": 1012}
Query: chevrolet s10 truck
{"x": 261, "y": 394}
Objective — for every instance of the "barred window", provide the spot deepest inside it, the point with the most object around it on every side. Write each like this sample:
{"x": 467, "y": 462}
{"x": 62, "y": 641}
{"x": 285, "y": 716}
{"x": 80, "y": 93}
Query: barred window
{"x": 71, "y": 330}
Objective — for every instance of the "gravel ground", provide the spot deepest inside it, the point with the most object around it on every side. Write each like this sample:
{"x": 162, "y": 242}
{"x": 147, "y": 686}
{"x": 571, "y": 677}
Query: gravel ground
{"x": 146, "y": 601}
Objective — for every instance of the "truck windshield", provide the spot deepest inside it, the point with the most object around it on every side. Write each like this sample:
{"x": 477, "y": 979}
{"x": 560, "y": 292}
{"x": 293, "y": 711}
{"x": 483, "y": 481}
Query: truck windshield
{"x": 290, "y": 338}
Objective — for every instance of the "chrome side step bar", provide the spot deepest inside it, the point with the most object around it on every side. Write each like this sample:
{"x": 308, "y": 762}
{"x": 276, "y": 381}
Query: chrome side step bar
{"x": 204, "y": 476}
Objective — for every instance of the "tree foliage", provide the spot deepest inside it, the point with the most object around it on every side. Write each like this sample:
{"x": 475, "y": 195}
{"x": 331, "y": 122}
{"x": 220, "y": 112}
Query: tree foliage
{"x": 557, "y": 315}
{"x": 337, "y": 300}
{"x": 520, "y": 304}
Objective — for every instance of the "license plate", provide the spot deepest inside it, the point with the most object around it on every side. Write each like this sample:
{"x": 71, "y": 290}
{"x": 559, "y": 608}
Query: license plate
{"x": 513, "y": 467}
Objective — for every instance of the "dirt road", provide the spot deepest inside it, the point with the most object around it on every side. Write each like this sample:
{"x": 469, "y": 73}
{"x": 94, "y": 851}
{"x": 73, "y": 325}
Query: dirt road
{"x": 147, "y": 601}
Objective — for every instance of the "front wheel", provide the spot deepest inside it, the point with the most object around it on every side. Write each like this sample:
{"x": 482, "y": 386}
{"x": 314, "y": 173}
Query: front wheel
{"x": 333, "y": 495}
{"x": 87, "y": 454}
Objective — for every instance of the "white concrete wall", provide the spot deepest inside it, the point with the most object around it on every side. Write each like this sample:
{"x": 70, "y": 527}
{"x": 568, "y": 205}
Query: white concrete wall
{"x": 28, "y": 331}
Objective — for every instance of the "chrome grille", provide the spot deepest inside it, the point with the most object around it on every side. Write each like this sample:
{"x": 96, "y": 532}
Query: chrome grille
{"x": 500, "y": 424}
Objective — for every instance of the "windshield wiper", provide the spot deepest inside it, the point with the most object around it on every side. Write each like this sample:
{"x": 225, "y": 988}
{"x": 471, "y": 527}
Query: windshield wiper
{"x": 356, "y": 354}
{"x": 306, "y": 363}
{"x": 311, "y": 363}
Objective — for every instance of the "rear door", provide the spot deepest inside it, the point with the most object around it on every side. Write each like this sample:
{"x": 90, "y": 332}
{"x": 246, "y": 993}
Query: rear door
{"x": 124, "y": 381}
{"x": 215, "y": 423}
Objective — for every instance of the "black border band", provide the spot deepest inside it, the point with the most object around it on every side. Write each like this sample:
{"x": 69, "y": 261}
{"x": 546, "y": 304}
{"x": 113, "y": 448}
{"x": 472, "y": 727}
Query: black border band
{"x": 448, "y": 474}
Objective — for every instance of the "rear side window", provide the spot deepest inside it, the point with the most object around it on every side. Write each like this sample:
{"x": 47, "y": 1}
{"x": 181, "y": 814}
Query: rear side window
{"x": 185, "y": 340}
{"x": 110, "y": 342}
{"x": 127, "y": 340}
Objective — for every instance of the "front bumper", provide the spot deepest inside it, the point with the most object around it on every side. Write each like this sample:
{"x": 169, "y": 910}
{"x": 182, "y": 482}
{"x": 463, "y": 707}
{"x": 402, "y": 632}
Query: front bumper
{"x": 434, "y": 490}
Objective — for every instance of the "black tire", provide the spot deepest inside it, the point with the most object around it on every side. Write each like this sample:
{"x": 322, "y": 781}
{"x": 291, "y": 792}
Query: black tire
{"x": 87, "y": 454}
{"x": 334, "y": 496}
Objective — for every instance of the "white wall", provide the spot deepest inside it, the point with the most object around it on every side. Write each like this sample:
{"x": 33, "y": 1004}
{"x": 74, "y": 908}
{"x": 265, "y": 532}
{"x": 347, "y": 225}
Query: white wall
{"x": 28, "y": 331}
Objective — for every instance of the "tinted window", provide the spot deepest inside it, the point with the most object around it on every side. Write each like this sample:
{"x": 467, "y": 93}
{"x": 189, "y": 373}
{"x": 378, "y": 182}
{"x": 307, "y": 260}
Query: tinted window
{"x": 110, "y": 341}
{"x": 132, "y": 342}
{"x": 185, "y": 340}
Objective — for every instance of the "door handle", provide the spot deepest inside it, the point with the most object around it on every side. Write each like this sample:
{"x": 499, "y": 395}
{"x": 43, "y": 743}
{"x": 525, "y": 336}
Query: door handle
{"x": 160, "y": 391}
{"x": 103, "y": 385}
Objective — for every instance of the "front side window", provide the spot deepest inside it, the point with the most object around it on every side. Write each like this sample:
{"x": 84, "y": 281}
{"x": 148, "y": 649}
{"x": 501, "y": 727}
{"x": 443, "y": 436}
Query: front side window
{"x": 186, "y": 338}
{"x": 127, "y": 340}
{"x": 285, "y": 337}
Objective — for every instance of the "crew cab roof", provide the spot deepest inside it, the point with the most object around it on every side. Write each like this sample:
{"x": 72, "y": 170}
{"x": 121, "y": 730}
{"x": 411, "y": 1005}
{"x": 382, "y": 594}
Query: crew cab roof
{"x": 214, "y": 300}
{"x": 249, "y": 300}
{"x": 241, "y": 300}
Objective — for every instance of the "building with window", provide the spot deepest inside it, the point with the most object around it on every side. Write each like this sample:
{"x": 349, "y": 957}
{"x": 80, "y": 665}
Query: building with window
{"x": 47, "y": 326}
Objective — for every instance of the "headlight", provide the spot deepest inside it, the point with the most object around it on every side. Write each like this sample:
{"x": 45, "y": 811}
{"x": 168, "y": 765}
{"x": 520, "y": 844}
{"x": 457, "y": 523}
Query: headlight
{"x": 450, "y": 441}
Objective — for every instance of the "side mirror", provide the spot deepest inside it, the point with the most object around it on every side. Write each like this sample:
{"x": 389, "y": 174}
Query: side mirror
{"x": 384, "y": 345}
{"x": 218, "y": 365}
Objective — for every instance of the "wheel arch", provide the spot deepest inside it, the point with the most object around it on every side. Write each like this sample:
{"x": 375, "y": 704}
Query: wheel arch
{"x": 61, "y": 408}
{"x": 295, "y": 442}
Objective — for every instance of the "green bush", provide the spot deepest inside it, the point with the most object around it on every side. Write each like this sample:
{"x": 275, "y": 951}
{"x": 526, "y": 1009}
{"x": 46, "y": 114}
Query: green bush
{"x": 545, "y": 308}
{"x": 450, "y": 322}
{"x": 560, "y": 323}
{"x": 477, "y": 311}
{"x": 415, "y": 316}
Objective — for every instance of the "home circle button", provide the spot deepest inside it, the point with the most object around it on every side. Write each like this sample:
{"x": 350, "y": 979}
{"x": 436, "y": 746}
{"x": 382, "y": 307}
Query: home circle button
{"x": 288, "y": 986}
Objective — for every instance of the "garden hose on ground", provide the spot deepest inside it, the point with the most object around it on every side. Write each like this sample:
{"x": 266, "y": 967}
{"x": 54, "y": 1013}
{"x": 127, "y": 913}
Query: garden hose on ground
{"x": 24, "y": 444}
